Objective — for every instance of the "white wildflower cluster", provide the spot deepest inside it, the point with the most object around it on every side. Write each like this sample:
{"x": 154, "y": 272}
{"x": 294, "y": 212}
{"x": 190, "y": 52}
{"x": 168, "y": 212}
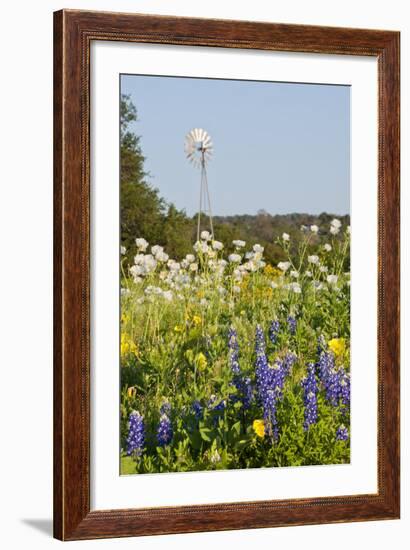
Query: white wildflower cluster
{"x": 187, "y": 276}
{"x": 294, "y": 287}
{"x": 313, "y": 259}
{"x": 142, "y": 245}
{"x": 319, "y": 272}
{"x": 284, "y": 266}
{"x": 152, "y": 291}
{"x": 335, "y": 226}
{"x": 332, "y": 279}
{"x": 234, "y": 258}
{"x": 205, "y": 273}
{"x": 254, "y": 259}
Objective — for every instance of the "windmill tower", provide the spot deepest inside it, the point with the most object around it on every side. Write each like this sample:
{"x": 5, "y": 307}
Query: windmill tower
{"x": 198, "y": 149}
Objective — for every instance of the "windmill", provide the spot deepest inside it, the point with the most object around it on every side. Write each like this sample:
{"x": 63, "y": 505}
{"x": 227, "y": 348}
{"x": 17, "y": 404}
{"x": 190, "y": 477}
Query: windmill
{"x": 198, "y": 149}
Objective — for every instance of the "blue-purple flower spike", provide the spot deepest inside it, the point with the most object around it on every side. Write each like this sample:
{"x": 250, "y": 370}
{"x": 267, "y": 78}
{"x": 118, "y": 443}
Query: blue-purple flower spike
{"x": 233, "y": 351}
{"x": 292, "y": 324}
{"x": 136, "y": 434}
{"x": 165, "y": 409}
{"x": 310, "y": 390}
{"x": 241, "y": 383}
{"x": 164, "y": 433}
{"x": 247, "y": 392}
{"x": 270, "y": 381}
{"x": 197, "y": 409}
{"x": 335, "y": 382}
{"x": 342, "y": 433}
{"x": 274, "y": 331}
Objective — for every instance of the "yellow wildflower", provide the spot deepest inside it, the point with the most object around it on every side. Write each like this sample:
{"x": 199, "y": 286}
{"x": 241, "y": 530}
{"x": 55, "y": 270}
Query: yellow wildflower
{"x": 337, "y": 345}
{"x": 201, "y": 361}
{"x": 271, "y": 271}
{"x": 132, "y": 391}
{"x": 178, "y": 328}
{"x": 259, "y": 427}
{"x": 128, "y": 347}
{"x": 268, "y": 292}
{"x": 197, "y": 320}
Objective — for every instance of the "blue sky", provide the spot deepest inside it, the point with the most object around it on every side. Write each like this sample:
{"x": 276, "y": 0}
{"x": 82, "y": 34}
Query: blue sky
{"x": 281, "y": 147}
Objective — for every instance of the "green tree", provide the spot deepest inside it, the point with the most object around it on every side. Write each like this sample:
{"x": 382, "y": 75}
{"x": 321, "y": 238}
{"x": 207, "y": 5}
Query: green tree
{"x": 142, "y": 208}
{"x": 178, "y": 233}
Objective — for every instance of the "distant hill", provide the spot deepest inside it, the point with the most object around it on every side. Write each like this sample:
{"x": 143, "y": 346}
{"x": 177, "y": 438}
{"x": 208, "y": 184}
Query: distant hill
{"x": 265, "y": 228}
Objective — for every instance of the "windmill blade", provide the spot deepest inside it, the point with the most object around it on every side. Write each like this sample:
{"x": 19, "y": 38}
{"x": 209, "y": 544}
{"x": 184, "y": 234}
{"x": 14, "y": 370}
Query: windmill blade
{"x": 198, "y": 146}
{"x": 202, "y": 134}
{"x": 189, "y": 148}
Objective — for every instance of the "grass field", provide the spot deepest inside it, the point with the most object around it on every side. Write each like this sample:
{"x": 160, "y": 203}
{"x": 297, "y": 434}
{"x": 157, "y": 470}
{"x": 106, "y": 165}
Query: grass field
{"x": 229, "y": 362}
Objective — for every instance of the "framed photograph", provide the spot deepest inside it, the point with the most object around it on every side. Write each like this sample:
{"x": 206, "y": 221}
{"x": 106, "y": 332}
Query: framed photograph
{"x": 226, "y": 275}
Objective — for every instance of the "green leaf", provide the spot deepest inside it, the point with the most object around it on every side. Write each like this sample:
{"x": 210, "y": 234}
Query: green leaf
{"x": 204, "y": 434}
{"x": 236, "y": 428}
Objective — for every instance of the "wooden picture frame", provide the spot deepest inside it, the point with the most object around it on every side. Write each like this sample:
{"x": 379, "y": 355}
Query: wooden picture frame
{"x": 74, "y": 32}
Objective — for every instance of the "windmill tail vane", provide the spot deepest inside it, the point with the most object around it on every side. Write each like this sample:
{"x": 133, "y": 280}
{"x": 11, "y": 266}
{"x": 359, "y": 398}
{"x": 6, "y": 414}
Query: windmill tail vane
{"x": 198, "y": 149}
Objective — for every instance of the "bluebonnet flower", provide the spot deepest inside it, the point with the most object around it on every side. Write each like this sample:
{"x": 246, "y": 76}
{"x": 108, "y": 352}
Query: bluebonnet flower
{"x": 233, "y": 351}
{"x": 136, "y": 434}
{"x": 332, "y": 388}
{"x": 274, "y": 331}
{"x": 310, "y": 390}
{"x": 220, "y": 406}
{"x": 216, "y": 408}
{"x": 242, "y": 384}
{"x": 325, "y": 366}
{"x": 336, "y": 382}
{"x": 164, "y": 432}
{"x": 342, "y": 433}
{"x": 269, "y": 415}
{"x": 247, "y": 392}
{"x": 344, "y": 387}
{"x": 197, "y": 409}
{"x": 165, "y": 409}
{"x": 270, "y": 381}
{"x": 288, "y": 362}
{"x": 292, "y": 324}
{"x": 261, "y": 364}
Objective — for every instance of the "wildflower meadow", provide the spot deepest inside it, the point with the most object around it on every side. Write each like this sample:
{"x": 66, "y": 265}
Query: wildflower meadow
{"x": 230, "y": 361}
